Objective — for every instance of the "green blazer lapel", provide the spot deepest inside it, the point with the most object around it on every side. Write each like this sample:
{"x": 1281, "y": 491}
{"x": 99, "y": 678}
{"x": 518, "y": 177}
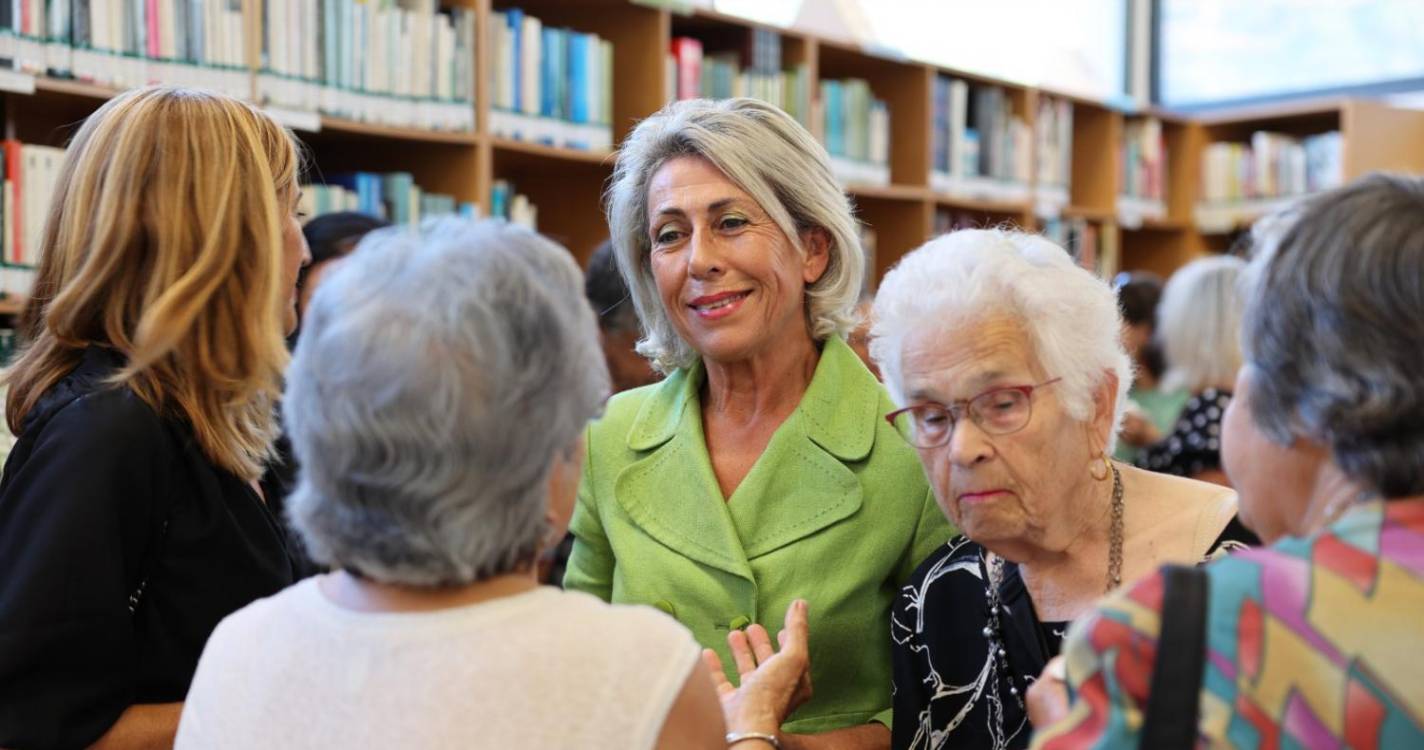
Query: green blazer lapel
{"x": 671, "y": 492}
{"x": 802, "y": 483}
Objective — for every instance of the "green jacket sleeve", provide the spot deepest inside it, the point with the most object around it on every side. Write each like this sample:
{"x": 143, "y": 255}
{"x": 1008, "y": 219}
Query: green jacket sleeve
{"x": 931, "y": 531}
{"x": 590, "y": 566}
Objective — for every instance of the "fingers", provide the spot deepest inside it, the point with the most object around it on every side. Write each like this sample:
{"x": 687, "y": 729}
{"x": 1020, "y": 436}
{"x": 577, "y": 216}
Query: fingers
{"x": 741, "y": 652}
{"x": 797, "y": 633}
{"x": 715, "y": 672}
{"x": 761, "y": 643}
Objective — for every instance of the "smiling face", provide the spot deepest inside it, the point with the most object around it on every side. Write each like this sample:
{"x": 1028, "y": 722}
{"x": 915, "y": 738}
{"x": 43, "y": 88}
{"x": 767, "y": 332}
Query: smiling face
{"x": 1007, "y": 492}
{"x": 731, "y": 281}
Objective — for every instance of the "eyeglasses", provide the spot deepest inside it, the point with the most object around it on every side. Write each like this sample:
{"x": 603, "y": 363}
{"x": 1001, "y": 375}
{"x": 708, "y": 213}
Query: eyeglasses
{"x": 999, "y": 411}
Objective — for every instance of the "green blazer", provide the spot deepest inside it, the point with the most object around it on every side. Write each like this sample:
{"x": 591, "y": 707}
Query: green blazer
{"x": 836, "y": 511}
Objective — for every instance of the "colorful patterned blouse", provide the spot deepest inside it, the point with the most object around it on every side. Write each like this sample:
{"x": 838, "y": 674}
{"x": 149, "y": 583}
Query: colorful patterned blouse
{"x": 1311, "y": 643}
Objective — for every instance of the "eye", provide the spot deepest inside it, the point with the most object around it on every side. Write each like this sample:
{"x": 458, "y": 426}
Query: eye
{"x": 733, "y": 222}
{"x": 667, "y": 235}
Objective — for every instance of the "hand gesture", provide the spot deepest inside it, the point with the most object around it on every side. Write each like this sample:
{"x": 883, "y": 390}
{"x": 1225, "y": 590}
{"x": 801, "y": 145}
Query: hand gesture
{"x": 773, "y": 683}
{"x": 1047, "y": 699}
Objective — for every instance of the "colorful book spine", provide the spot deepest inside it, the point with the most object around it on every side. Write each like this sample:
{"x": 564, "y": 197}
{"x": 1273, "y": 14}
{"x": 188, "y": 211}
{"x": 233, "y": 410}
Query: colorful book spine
{"x": 1270, "y": 166}
{"x": 549, "y": 85}
{"x": 31, "y": 176}
{"x": 392, "y": 196}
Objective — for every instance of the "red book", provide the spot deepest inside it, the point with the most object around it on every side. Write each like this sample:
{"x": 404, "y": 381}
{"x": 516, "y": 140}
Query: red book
{"x": 13, "y": 176}
{"x": 151, "y": 13}
{"x": 688, "y": 54}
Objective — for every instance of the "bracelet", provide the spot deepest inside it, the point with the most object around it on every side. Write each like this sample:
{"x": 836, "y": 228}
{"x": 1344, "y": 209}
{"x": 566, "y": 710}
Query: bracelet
{"x": 735, "y": 737}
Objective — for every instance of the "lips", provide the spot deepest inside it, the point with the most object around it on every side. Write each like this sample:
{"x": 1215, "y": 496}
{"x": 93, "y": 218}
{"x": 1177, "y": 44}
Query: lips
{"x": 717, "y": 305}
{"x": 980, "y": 496}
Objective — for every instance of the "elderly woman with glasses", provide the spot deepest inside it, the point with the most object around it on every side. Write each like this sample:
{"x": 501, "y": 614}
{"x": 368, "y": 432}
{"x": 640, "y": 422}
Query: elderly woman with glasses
{"x": 760, "y": 470}
{"x": 1007, "y": 359}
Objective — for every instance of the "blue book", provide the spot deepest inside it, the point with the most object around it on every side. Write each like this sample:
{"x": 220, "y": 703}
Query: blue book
{"x": 578, "y": 77}
{"x": 549, "y": 72}
{"x": 835, "y": 117}
{"x": 514, "y": 19}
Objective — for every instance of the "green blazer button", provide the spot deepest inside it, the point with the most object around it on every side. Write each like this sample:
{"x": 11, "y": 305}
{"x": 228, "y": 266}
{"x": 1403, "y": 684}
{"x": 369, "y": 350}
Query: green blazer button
{"x": 739, "y": 622}
{"x": 666, "y": 606}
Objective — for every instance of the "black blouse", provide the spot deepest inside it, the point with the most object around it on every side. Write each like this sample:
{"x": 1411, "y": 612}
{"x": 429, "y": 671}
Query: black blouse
{"x": 1194, "y": 445}
{"x": 949, "y": 690}
{"x": 100, "y": 495}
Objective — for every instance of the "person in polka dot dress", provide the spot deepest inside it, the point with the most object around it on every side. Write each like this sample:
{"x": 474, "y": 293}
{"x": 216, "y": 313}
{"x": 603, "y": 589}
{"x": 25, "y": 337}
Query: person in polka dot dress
{"x": 1198, "y": 323}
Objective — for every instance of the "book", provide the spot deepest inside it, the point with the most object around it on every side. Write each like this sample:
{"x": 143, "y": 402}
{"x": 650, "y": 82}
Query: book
{"x": 31, "y": 176}
{"x": 752, "y": 68}
{"x": 1271, "y": 166}
{"x": 549, "y": 85}
{"x": 393, "y": 196}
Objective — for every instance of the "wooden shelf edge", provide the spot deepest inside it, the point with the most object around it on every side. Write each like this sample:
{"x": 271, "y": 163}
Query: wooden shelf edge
{"x": 552, "y": 152}
{"x": 1091, "y": 214}
{"x": 951, "y": 200}
{"x": 888, "y": 192}
{"x": 12, "y": 305}
{"x": 1298, "y": 108}
{"x": 74, "y": 88}
{"x": 354, "y": 127}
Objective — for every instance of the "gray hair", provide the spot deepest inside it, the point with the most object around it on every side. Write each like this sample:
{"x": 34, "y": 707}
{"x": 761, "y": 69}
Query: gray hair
{"x": 766, "y": 153}
{"x": 1334, "y": 328}
{"x": 1199, "y": 324}
{"x": 1071, "y": 316}
{"x": 439, "y": 374}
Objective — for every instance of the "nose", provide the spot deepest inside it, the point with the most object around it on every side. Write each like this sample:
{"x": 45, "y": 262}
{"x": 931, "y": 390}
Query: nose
{"x": 706, "y": 259}
{"x": 968, "y": 444}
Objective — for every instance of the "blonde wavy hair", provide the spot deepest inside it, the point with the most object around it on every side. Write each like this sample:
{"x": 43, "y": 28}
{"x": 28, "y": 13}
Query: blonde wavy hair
{"x": 164, "y": 243}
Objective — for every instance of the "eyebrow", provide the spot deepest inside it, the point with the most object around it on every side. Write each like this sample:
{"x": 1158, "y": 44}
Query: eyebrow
{"x": 716, "y": 205}
{"x": 980, "y": 382}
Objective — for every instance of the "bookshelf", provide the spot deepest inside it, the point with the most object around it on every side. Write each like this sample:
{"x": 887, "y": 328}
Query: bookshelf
{"x": 566, "y": 184}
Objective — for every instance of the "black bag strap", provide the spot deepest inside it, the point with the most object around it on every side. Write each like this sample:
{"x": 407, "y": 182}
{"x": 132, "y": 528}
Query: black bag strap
{"x": 1172, "y": 706}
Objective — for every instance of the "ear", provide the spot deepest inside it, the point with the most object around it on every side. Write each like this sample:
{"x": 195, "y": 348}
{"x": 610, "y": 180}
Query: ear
{"x": 817, "y": 243}
{"x": 1104, "y": 407}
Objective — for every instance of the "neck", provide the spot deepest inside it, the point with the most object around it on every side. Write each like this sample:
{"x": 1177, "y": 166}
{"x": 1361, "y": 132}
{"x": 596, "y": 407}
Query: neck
{"x": 1065, "y": 570}
{"x": 1332, "y": 496}
{"x": 365, "y": 595}
{"x": 771, "y": 382}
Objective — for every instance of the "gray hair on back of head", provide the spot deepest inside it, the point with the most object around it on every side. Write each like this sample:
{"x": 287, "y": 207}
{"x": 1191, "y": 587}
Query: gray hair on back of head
{"x": 969, "y": 276}
{"x": 1199, "y": 324}
{"x": 439, "y": 374}
{"x": 1334, "y": 329}
{"x": 766, "y": 153}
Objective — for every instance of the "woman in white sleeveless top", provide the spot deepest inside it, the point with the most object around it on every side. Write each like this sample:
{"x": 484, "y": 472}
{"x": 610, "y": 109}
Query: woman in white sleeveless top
{"x": 435, "y": 403}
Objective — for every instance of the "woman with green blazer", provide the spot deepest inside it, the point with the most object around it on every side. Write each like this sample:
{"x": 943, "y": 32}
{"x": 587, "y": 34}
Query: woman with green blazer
{"x": 760, "y": 471}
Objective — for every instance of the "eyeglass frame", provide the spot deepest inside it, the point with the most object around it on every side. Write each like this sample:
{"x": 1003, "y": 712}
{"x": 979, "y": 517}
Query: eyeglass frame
{"x": 963, "y": 404}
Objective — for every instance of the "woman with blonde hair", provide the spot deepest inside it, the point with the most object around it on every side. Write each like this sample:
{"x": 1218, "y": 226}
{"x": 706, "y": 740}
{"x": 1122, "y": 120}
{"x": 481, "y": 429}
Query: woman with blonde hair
{"x": 132, "y": 518}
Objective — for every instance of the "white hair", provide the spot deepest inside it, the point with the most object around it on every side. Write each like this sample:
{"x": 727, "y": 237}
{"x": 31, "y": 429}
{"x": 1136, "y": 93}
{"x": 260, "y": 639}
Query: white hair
{"x": 965, "y": 277}
{"x": 439, "y": 375}
{"x": 1199, "y": 324}
{"x": 766, "y": 153}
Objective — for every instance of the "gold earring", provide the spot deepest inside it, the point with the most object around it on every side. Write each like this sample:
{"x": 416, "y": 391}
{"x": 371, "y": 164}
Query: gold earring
{"x": 1107, "y": 468}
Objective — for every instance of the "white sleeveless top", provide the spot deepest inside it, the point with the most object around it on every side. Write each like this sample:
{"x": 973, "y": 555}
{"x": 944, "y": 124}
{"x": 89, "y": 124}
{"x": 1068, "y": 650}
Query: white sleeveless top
{"x": 542, "y": 669}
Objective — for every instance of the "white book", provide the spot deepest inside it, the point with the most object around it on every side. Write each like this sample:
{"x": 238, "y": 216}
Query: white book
{"x": 958, "y": 122}
{"x": 530, "y": 53}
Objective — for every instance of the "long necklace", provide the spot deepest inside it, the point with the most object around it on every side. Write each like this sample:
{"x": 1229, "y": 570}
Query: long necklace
{"x": 993, "y": 631}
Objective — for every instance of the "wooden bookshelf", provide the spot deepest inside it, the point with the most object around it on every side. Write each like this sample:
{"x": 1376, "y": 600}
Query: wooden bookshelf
{"x": 566, "y": 185}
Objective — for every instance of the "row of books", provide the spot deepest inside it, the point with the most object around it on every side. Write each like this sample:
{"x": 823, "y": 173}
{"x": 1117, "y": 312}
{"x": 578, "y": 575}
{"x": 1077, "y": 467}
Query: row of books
{"x": 1092, "y": 246}
{"x": 1272, "y": 165}
{"x": 1053, "y": 137}
{"x": 125, "y": 43}
{"x": 549, "y": 85}
{"x": 1144, "y": 160}
{"x": 31, "y": 175}
{"x": 512, "y": 206}
{"x": 857, "y": 131}
{"x": 981, "y": 147}
{"x": 406, "y": 64}
{"x": 754, "y": 71}
{"x": 392, "y": 196}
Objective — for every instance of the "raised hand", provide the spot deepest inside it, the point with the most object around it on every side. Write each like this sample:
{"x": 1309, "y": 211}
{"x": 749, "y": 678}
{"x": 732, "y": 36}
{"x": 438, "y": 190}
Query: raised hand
{"x": 773, "y": 683}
